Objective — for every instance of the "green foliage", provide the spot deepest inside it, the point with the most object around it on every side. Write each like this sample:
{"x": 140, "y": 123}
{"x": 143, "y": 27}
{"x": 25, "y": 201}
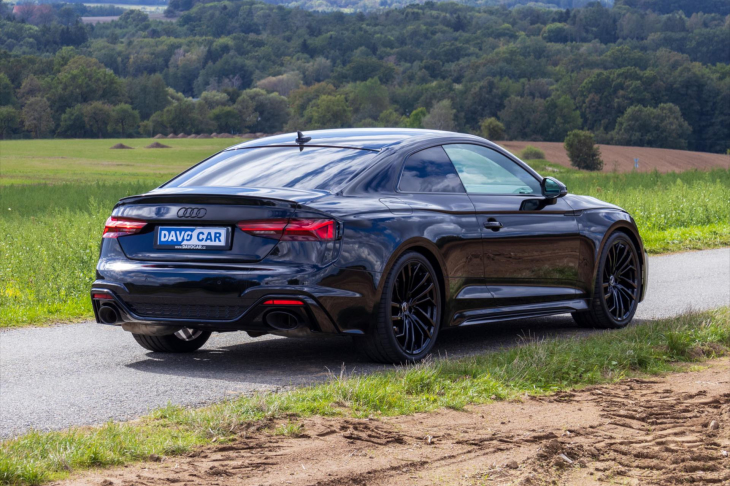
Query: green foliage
{"x": 123, "y": 120}
{"x": 37, "y": 117}
{"x": 540, "y": 72}
{"x": 227, "y": 119}
{"x": 9, "y": 120}
{"x": 415, "y": 120}
{"x": 492, "y": 129}
{"x": 97, "y": 117}
{"x": 532, "y": 153}
{"x": 7, "y": 95}
{"x": 582, "y": 150}
{"x": 328, "y": 112}
{"x": 441, "y": 117}
{"x": 652, "y": 127}
{"x": 536, "y": 367}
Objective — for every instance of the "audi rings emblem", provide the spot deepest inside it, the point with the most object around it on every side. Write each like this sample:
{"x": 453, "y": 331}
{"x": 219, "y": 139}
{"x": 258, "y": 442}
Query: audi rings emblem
{"x": 191, "y": 212}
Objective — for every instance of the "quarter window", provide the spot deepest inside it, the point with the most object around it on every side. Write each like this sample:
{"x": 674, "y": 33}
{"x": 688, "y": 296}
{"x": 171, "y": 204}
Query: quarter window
{"x": 485, "y": 171}
{"x": 430, "y": 170}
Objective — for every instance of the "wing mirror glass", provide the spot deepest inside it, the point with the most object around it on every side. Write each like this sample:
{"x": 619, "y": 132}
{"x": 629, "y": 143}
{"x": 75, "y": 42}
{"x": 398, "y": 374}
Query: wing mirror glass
{"x": 553, "y": 188}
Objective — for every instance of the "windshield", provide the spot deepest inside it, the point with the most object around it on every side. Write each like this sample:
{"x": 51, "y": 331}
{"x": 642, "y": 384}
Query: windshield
{"x": 321, "y": 168}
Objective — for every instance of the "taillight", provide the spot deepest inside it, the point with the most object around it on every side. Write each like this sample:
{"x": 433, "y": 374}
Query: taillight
{"x": 283, "y": 302}
{"x": 291, "y": 230}
{"x": 268, "y": 228}
{"x": 309, "y": 230}
{"x": 116, "y": 227}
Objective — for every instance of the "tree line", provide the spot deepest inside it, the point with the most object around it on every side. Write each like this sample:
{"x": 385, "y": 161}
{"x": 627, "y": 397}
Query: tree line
{"x": 628, "y": 74}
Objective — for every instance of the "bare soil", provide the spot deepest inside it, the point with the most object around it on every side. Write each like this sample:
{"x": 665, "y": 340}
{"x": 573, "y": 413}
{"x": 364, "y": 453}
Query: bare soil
{"x": 664, "y": 431}
{"x": 621, "y": 159}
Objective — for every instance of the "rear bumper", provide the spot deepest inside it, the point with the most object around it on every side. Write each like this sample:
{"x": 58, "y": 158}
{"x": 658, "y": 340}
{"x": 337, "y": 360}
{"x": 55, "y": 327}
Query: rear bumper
{"x": 232, "y": 297}
{"x": 308, "y": 318}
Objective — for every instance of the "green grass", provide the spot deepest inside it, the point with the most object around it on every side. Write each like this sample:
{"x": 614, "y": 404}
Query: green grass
{"x": 50, "y": 230}
{"x": 91, "y": 161}
{"x": 536, "y": 367}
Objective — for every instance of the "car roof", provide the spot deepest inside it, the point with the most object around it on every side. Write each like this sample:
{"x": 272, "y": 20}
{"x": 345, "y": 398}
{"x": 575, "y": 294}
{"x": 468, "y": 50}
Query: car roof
{"x": 359, "y": 138}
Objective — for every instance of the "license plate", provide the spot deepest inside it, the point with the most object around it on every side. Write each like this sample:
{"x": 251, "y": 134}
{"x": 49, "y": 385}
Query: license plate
{"x": 189, "y": 238}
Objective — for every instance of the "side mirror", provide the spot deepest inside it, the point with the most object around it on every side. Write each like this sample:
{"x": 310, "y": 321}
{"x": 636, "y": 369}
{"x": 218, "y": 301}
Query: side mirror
{"x": 553, "y": 188}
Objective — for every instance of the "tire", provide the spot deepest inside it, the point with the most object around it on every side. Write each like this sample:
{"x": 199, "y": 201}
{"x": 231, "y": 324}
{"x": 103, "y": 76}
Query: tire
{"x": 184, "y": 341}
{"x": 409, "y": 313}
{"x": 617, "y": 287}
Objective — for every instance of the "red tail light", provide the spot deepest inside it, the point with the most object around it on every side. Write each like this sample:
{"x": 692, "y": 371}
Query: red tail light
{"x": 116, "y": 227}
{"x": 103, "y": 296}
{"x": 291, "y": 230}
{"x": 283, "y": 302}
{"x": 268, "y": 228}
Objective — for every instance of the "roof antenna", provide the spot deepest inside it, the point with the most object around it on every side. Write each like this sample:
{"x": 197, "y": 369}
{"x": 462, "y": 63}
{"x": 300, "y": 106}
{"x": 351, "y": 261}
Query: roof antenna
{"x": 301, "y": 140}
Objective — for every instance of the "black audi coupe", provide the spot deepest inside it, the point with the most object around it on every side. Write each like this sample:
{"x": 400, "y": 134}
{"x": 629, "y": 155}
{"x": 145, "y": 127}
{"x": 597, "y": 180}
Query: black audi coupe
{"x": 384, "y": 235}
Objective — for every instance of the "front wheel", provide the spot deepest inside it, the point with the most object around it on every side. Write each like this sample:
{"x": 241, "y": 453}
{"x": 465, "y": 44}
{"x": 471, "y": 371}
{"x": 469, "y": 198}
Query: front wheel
{"x": 183, "y": 341}
{"x": 409, "y": 314}
{"x": 617, "y": 287}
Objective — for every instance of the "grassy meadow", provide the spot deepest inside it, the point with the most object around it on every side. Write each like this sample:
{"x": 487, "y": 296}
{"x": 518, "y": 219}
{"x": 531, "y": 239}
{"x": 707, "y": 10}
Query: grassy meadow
{"x": 56, "y": 195}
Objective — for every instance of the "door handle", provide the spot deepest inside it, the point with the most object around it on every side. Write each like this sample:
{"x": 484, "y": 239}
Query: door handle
{"x": 493, "y": 224}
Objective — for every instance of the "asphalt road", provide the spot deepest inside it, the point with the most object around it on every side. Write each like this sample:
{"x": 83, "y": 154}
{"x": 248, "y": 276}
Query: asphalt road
{"x": 79, "y": 374}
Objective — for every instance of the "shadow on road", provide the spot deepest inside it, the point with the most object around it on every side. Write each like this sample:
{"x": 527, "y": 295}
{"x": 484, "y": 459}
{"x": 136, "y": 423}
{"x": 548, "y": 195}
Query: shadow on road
{"x": 281, "y": 362}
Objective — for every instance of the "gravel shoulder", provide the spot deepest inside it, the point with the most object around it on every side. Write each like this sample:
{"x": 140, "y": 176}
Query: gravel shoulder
{"x": 83, "y": 374}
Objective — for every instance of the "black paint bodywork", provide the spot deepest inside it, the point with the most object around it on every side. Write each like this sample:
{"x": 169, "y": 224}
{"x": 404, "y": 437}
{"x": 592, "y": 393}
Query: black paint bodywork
{"x": 543, "y": 260}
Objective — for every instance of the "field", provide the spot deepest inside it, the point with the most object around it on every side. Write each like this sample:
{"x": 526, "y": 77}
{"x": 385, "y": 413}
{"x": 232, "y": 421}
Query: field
{"x": 621, "y": 159}
{"x": 56, "y": 195}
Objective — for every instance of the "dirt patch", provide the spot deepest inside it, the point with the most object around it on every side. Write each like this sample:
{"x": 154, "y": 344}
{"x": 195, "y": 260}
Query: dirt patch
{"x": 120, "y": 146}
{"x": 621, "y": 158}
{"x": 159, "y": 136}
{"x": 157, "y": 145}
{"x": 666, "y": 431}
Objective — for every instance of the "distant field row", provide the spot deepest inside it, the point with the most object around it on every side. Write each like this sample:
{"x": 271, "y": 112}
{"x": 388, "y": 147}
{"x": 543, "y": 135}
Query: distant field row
{"x": 56, "y": 195}
{"x": 53, "y": 161}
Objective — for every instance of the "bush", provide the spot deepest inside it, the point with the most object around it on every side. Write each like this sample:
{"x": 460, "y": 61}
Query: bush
{"x": 532, "y": 153}
{"x": 582, "y": 151}
{"x": 492, "y": 129}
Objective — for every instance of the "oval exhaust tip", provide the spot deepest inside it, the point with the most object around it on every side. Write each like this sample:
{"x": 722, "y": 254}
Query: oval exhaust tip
{"x": 108, "y": 315}
{"x": 282, "y": 320}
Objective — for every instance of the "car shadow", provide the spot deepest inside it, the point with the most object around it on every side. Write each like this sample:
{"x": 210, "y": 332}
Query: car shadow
{"x": 279, "y": 362}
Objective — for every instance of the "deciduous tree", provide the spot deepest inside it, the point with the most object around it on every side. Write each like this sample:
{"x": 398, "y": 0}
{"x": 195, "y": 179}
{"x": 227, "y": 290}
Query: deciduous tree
{"x": 37, "y": 117}
{"x": 9, "y": 120}
{"x": 583, "y": 151}
{"x": 441, "y": 117}
{"x": 123, "y": 120}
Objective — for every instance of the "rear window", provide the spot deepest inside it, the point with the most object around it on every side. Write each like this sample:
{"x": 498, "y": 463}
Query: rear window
{"x": 322, "y": 168}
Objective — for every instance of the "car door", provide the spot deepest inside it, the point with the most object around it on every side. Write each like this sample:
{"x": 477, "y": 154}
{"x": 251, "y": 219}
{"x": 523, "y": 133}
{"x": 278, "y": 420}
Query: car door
{"x": 530, "y": 243}
{"x": 444, "y": 214}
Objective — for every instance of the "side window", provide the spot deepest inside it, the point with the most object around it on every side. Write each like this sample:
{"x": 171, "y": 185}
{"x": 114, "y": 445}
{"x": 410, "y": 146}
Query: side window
{"x": 430, "y": 170}
{"x": 485, "y": 171}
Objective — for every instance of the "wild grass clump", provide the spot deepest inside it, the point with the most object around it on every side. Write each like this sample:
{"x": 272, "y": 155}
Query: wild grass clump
{"x": 532, "y": 153}
{"x": 535, "y": 367}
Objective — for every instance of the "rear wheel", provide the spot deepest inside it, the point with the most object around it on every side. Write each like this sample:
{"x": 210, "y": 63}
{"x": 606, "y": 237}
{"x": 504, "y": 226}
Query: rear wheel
{"x": 185, "y": 340}
{"x": 409, "y": 314}
{"x": 618, "y": 283}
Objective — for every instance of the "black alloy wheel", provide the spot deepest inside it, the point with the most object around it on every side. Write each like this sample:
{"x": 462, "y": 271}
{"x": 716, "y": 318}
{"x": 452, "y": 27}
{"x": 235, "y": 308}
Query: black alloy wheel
{"x": 617, "y": 287}
{"x": 410, "y": 313}
{"x": 414, "y": 308}
{"x": 621, "y": 281}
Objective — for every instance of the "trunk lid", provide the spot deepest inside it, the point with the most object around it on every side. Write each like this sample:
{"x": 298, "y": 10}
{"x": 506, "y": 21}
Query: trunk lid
{"x": 199, "y": 211}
